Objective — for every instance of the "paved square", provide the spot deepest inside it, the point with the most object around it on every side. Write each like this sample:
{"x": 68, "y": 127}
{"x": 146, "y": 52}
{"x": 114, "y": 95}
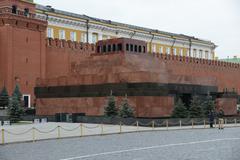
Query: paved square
{"x": 197, "y": 144}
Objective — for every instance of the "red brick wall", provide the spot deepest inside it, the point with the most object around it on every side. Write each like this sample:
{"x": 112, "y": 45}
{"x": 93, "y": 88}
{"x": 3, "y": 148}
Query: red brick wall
{"x": 229, "y": 105}
{"x": 143, "y": 106}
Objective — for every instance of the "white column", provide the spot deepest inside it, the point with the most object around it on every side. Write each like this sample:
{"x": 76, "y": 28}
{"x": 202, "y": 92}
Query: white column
{"x": 89, "y": 37}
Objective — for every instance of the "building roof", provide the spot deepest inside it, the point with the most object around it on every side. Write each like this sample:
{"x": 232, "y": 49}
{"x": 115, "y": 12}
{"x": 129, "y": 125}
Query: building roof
{"x": 117, "y": 24}
{"x": 235, "y": 59}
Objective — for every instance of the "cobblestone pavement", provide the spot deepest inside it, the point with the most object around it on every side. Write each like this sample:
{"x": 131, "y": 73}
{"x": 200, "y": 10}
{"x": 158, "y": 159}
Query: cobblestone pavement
{"x": 33, "y": 132}
{"x": 197, "y": 144}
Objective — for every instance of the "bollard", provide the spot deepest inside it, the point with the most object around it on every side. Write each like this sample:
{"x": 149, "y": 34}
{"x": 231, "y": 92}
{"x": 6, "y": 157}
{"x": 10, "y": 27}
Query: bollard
{"x": 120, "y": 127}
{"x": 180, "y": 123}
{"x": 3, "y": 136}
{"x": 215, "y": 123}
{"x": 192, "y": 123}
{"x": 167, "y": 124}
{"x": 226, "y": 121}
{"x": 235, "y": 120}
{"x": 101, "y": 129}
{"x": 81, "y": 129}
{"x": 204, "y": 121}
{"x": 59, "y": 132}
{"x": 33, "y": 134}
{"x": 153, "y": 125}
{"x": 137, "y": 126}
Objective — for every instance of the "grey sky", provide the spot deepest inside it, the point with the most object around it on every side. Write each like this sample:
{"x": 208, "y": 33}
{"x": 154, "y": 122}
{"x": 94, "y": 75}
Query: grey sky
{"x": 215, "y": 20}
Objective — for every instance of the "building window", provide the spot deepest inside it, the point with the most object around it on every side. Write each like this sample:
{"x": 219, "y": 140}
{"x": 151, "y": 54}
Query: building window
{"x": 119, "y": 47}
{"x": 144, "y": 49}
{"x": 181, "y": 52}
{"x": 131, "y": 48}
{"x": 14, "y": 9}
{"x": 135, "y": 48}
{"x": 140, "y": 49}
{"x": 206, "y": 54}
{"x": 94, "y": 38}
{"x": 73, "y": 36}
{"x": 50, "y": 33}
{"x": 114, "y": 47}
{"x": 175, "y": 51}
{"x": 104, "y": 48}
{"x": 167, "y": 50}
{"x": 61, "y": 34}
{"x": 200, "y": 54}
{"x": 195, "y": 53}
{"x": 83, "y": 37}
{"x": 160, "y": 49}
{"x": 109, "y": 48}
{"x": 127, "y": 47}
{"x": 154, "y": 47}
{"x": 26, "y": 12}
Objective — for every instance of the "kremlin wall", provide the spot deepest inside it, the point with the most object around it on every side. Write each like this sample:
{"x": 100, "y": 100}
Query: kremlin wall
{"x": 62, "y": 76}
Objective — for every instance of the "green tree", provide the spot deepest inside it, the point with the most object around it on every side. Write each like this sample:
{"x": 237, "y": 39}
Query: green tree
{"x": 126, "y": 110}
{"x": 14, "y": 110}
{"x": 110, "y": 110}
{"x": 4, "y": 98}
{"x": 17, "y": 93}
{"x": 195, "y": 110}
{"x": 180, "y": 110}
{"x": 208, "y": 105}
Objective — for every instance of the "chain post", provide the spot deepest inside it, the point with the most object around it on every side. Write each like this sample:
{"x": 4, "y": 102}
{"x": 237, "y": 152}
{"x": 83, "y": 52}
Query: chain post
{"x": 101, "y": 128}
{"x": 33, "y": 134}
{"x": 3, "y": 140}
{"x": 59, "y": 132}
{"x": 153, "y": 125}
{"x": 167, "y": 124}
{"x": 204, "y": 121}
{"x": 192, "y": 123}
{"x": 120, "y": 127}
{"x": 81, "y": 129}
{"x": 137, "y": 126}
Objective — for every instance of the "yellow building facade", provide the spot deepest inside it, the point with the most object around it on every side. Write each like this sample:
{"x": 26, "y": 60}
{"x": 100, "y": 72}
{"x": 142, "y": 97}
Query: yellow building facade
{"x": 82, "y": 28}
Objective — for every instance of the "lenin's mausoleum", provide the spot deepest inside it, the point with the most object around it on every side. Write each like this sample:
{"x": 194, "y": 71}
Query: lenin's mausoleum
{"x": 69, "y": 63}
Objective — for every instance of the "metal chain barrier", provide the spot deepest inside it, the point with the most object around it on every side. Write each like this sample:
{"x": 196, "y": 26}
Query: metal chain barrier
{"x": 70, "y": 130}
{"x": 88, "y": 127}
{"x": 45, "y": 132}
{"x": 18, "y": 134}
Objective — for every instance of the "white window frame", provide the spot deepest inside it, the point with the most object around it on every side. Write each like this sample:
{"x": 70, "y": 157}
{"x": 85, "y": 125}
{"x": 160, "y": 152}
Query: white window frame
{"x": 154, "y": 48}
{"x": 175, "y": 51}
{"x": 29, "y": 99}
{"x": 94, "y": 38}
{"x": 62, "y": 34}
{"x": 50, "y": 33}
{"x": 84, "y": 37}
{"x": 160, "y": 49}
{"x": 73, "y": 36}
{"x": 181, "y": 52}
{"x": 168, "y": 50}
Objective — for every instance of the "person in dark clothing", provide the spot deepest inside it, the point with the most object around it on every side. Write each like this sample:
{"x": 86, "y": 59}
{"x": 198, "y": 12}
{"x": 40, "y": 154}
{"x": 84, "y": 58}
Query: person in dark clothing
{"x": 211, "y": 118}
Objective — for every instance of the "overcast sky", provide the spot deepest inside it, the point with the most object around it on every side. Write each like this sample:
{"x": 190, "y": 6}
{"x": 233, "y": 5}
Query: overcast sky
{"x": 215, "y": 20}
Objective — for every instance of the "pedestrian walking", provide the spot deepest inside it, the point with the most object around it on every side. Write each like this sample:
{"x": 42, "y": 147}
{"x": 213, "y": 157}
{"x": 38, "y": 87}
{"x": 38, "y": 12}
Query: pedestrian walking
{"x": 220, "y": 119}
{"x": 211, "y": 119}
